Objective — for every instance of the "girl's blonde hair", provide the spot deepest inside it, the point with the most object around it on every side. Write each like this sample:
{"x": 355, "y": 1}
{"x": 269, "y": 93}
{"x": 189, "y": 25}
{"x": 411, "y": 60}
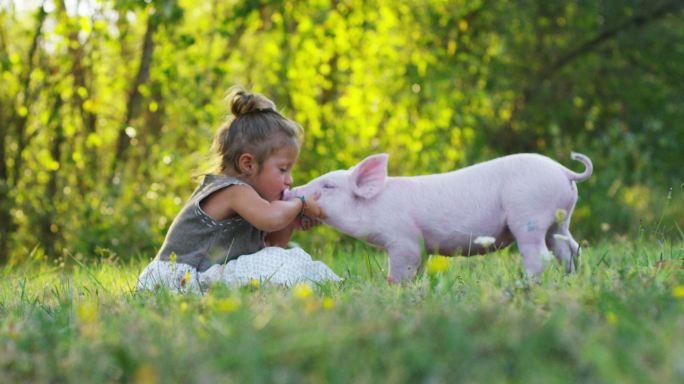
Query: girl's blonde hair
{"x": 255, "y": 127}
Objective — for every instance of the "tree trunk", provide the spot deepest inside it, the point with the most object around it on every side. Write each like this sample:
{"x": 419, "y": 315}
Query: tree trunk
{"x": 6, "y": 204}
{"x": 134, "y": 101}
{"x": 80, "y": 73}
{"x": 49, "y": 237}
{"x": 15, "y": 124}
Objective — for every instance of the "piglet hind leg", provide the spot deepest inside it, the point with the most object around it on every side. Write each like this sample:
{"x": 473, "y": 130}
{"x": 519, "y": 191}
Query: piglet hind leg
{"x": 531, "y": 240}
{"x": 560, "y": 241}
{"x": 404, "y": 261}
{"x": 564, "y": 246}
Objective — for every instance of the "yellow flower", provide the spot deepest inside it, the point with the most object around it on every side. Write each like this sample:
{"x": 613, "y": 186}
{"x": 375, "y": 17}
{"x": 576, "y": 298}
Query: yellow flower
{"x": 254, "y": 283}
{"x": 561, "y": 214}
{"x": 328, "y": 303}
{"x": 185, "y": 279}
{"x": 87, "y": 312}
{"x": 611, "y": 318}
{"x": 146, "y": 374}
{"x": 228, "y": 304}
{"x": 88, "y": 317}
{"x": 437, "y": 264}
{"x": 302, "y": 291}
{"x": 183, "y": 306}
{"x": 678, "y": 292}
{"x": 172, "y": 257}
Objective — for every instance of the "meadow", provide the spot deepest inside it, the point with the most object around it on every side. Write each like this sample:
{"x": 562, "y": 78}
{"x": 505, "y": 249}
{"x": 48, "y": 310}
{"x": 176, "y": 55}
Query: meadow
{"x": 619, "y": 319}
{"x": 108, "y": 109}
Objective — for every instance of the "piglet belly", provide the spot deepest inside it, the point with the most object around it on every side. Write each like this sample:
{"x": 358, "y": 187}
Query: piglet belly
{"x": 455, "y": 243}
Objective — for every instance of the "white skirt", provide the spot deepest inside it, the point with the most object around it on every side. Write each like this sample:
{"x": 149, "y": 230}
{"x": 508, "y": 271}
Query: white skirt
{"x": 272, "y": 265}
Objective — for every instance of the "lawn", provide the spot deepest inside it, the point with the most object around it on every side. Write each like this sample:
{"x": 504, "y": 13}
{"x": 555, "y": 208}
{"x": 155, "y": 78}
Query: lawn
{"x": 619, "y": 319}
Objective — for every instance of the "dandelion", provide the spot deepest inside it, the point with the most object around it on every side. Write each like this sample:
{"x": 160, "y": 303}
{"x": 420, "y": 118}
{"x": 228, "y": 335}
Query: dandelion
{"x": 88, "y": 317}
{"x": 184, "y": 280}
{"x": 561, "y": 214}
{"x": 254, "y": 283}
{"x": 437, "y": 264}
{"x": 484, "y": 241}
{"x": 678, "y": 292}
{"x": 87, "y": 312}
{"x": 228, "y": 304}
{"x": 328, "y": 303}
{"x": 302, "y": 291}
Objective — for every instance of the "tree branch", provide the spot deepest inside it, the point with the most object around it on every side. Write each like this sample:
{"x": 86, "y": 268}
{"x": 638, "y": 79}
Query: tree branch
{"x": 589, "y": 46}
{"x": 529, "y": 91}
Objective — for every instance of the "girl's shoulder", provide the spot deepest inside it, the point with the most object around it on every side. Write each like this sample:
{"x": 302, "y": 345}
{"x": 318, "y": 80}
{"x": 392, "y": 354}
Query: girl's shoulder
{"x": 220, "y": 179}
{"x": 212, "y": 183}
{"x": 215, "y": 199}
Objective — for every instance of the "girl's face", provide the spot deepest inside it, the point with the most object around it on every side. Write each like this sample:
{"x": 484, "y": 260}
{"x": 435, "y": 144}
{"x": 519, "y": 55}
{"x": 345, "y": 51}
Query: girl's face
{"x": 274, "y": 175}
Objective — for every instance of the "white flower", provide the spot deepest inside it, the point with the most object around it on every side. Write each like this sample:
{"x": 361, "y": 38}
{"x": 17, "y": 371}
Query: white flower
{"x": 484, "y": 241}
{"x": 558, "y": 236}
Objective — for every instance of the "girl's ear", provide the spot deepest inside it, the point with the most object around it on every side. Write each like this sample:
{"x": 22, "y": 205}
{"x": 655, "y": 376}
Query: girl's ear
{"x": 369, "y": 176}
{"x": 248, "y": 164}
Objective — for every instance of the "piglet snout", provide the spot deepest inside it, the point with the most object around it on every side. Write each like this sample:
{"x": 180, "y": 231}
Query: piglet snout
{"x": 288, "y": 194}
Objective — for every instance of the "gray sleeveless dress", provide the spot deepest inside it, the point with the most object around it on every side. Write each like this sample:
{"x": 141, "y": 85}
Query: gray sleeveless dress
{"x": 200, "y": 241}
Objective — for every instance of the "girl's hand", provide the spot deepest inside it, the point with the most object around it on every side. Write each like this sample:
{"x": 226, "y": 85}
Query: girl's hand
{"x": 311, "y": 207}
{"x": 304, "y": 223}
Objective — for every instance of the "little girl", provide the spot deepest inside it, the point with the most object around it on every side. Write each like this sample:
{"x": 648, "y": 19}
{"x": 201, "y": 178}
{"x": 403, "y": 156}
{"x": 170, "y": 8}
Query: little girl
{"x": 227, "y": 230}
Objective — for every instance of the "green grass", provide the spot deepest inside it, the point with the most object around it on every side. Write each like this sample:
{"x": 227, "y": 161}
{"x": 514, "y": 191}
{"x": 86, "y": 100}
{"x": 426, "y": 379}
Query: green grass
{"x": 620, "y": 319}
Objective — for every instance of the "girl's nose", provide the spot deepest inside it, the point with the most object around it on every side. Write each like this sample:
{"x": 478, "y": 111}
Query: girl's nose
{"x": 288, "y": 180}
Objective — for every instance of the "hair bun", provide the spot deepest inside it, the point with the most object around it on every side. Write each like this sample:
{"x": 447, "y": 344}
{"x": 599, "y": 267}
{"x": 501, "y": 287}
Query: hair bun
{"x": 243, "y": 102}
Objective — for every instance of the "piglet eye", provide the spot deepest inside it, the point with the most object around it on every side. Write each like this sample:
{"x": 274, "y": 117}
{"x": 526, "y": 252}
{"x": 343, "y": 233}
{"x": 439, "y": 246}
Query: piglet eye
{"x": 328, "y": 186}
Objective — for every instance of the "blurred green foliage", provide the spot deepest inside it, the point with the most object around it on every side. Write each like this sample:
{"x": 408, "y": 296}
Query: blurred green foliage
{"x": 108, "y": 108}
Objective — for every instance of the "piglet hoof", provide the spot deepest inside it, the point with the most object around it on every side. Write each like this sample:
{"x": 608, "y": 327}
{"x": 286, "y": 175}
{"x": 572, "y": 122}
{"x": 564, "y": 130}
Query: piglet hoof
{"x": 391, "y": 280}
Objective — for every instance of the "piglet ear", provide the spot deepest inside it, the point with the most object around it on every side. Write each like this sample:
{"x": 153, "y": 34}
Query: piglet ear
{"x": 369, "y": 176}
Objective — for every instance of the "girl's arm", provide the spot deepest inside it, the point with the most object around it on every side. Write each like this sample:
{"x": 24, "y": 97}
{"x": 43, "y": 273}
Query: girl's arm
{"x": 267, "y": 216}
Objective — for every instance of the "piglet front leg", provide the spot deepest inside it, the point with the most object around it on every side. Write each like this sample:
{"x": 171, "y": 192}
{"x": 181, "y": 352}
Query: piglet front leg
{"x": 404, "y": 260}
